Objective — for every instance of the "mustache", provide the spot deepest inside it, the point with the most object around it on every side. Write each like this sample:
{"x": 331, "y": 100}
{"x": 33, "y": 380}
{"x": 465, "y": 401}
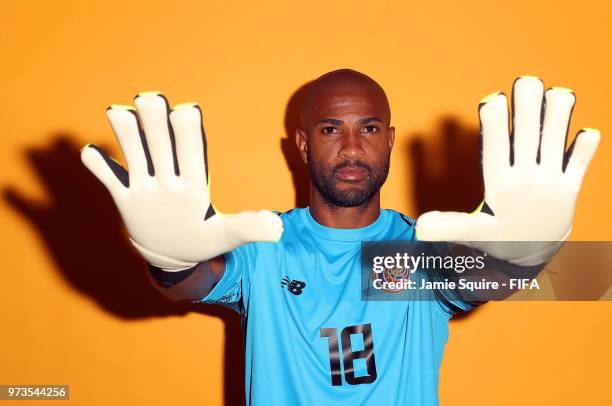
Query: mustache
{"x": 352, "y": 164}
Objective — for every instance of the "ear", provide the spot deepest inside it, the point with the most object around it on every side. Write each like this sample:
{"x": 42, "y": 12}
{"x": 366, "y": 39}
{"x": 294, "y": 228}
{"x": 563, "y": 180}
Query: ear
{"x": 391, "y": 135}
{"x": 301, "y": 140}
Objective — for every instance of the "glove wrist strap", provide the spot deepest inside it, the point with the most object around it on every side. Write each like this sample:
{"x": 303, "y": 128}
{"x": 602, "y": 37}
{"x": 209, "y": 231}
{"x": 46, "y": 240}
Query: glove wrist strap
{"x": 160, "y": 261}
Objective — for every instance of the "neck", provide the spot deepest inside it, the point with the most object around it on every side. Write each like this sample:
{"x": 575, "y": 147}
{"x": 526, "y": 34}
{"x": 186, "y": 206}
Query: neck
{"x": 343, "y": 217}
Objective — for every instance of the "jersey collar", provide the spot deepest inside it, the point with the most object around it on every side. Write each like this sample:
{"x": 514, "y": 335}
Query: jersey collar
{"x": 367, "y": 233}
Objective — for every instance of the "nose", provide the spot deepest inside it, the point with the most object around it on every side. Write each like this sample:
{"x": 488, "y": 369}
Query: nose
{"x": 351, "y": 146}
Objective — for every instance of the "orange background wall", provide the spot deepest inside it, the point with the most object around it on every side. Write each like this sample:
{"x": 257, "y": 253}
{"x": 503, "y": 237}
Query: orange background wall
{"x": 75, "y": 305}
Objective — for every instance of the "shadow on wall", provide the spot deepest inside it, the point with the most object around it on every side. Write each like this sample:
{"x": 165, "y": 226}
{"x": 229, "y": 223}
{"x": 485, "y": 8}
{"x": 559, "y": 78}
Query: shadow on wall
{"x": 446, "y": 171}
{"x": 84, "y": 234}
{"x": 446, "y": 168}
{"x": 299, "y": 170}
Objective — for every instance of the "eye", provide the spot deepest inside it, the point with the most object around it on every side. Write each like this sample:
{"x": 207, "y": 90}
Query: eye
{"x": 370, "y": 129}
{"x": 330, "y": 130}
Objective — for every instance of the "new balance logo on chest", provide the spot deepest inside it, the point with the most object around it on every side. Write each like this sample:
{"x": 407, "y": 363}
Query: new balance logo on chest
{"x": 293, "y": 286}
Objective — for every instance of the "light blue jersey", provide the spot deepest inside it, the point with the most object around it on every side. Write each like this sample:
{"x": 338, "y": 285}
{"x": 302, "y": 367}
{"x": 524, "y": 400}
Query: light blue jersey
{"x": 310, "y": 339}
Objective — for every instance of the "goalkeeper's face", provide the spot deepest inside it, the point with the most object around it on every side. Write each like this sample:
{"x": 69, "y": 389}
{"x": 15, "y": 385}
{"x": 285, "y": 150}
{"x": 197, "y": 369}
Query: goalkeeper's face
{"x": 346, "y": 140}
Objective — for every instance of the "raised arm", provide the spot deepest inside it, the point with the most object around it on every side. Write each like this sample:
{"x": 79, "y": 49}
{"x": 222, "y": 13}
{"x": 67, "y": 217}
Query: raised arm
{"x": 531, "y": 181}
{"x": 191, "y": 284}
{"x": 164, "y": 197}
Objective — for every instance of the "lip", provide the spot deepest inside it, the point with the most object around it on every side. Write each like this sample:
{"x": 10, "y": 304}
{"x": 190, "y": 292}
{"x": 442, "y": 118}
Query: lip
{"x": 352, "y": 173}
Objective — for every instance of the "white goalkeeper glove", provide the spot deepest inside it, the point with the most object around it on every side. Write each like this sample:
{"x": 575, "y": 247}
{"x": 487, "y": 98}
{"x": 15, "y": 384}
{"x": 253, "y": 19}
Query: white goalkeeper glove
{"x": 169, "y": 216}
{"x": 529, "y": 199}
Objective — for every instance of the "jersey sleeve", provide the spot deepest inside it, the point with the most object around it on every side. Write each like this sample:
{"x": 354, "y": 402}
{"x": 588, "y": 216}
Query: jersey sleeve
{"x": 450, "y": 300}
{"x": 447, "y": 300}
{"x": 454, "y": 301}
{"x": 230, "y": 290}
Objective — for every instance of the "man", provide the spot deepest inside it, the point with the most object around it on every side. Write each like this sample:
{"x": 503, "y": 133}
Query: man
{"x": 295, "y": 277}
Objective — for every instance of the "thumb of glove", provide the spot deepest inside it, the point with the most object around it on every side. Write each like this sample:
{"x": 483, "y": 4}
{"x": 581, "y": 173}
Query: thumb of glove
{"x": 452, "y": 226}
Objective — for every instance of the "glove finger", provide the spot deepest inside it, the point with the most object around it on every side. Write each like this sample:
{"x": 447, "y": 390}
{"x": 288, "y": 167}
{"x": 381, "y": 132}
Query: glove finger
{"x": 153, "y": 112}
{"x": 493, "y": 112}
{"x": 580, "y": 154}
{"x": 559, "y": 103}
{"x": 124, "y": 122}
{"x": 454, "y": 226}
{"x": 107, "y": 170}
{"x": 527, "y": 94}
{"x": 186, "y": 120}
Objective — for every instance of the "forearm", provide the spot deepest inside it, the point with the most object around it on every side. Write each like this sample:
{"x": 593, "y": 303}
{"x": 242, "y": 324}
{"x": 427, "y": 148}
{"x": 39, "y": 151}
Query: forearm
{"x": 190, "y": 284}
{"x": 499, "y": 274}
{"x": 494, "y": 278}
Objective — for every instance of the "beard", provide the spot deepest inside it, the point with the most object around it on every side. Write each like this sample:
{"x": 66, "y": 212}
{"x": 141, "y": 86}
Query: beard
{"x": 360, "y": 193}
